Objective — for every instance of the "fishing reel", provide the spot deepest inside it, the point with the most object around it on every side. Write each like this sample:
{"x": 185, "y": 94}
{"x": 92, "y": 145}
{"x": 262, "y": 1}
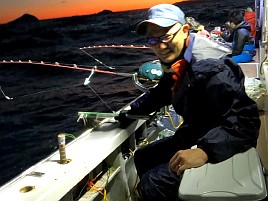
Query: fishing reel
{"x": 150, "y": 71}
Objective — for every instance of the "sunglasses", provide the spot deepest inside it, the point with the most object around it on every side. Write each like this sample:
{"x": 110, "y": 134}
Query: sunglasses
{"x": 162, "y": 39}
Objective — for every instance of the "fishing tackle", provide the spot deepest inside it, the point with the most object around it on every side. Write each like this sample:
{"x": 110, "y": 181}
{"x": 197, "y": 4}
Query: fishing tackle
{"x": 68, "y": 66}
{"x": 150, "y": 71}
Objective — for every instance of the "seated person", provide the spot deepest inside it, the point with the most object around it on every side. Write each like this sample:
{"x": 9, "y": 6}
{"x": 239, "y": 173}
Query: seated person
{"x": 205, "y": 89}
{"x": 243, "y": 47}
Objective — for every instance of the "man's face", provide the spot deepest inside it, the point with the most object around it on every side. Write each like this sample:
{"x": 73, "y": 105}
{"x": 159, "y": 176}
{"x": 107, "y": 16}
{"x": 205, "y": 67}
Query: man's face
{"x": 168, "y": 42}
{"x": 232, "y": 25}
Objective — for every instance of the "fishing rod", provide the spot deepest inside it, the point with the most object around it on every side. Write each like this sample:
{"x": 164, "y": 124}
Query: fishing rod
{"x": 91, "y": 69}
{"x": 94, "y": 69}
{"x": 83, "y": 49}
{"x": 117, "y": 46}
{"x": 73, "y": 67}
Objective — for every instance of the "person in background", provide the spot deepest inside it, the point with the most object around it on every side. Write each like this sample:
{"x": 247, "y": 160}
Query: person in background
{"x": 219, "y": 119}
{"x": 250, "y": 17}
{"x": 196, "y": 27}
{"x": 243, "y": 43}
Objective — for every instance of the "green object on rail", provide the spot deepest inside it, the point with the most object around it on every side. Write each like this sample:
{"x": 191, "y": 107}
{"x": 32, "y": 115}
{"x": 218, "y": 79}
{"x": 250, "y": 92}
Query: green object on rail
{"x": 97, "y": 114}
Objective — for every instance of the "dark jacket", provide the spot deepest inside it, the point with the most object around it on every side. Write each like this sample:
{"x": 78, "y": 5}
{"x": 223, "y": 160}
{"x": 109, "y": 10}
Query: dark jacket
{"x": 239, "y": 36}
{"x": 218, "y": 115}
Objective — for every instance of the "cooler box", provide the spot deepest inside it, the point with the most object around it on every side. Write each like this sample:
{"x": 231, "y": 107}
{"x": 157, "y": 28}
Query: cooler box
{"x": 240, "y": 177}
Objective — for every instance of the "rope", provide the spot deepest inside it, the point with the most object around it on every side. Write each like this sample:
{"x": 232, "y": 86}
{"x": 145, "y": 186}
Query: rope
{"x": 172, "y": 122}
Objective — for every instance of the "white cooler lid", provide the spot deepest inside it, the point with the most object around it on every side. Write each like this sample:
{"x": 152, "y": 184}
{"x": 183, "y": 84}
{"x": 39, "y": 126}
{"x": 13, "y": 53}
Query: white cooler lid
{"x": 237, "y": 178}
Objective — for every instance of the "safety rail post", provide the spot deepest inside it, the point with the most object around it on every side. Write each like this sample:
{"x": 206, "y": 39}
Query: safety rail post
{"x": 62, "y": 148}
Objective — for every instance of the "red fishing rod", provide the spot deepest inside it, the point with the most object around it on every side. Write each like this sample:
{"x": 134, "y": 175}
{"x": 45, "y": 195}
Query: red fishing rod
{"x": 116, "y": 46}
{"x": 73, "y": 67}
{"x": 91, "y": 69}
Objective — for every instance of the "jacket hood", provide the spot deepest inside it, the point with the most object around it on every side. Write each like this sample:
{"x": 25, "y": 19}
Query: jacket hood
{"x": 200, "y": 48}
{"x": 243, "y": 25}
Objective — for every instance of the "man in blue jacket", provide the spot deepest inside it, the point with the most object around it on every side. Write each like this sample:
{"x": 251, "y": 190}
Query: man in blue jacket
{"x": 207, "y": 89}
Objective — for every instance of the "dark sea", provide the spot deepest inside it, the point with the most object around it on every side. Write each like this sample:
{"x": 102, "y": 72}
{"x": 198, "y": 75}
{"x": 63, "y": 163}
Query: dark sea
{"x": 38, "y": 102}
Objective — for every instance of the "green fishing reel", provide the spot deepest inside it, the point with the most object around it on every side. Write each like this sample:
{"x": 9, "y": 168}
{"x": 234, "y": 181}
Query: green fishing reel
{"x": 151, "y": 70}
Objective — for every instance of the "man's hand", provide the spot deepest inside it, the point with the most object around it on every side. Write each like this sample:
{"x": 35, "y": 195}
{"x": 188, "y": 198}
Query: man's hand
{"x": 189, "y": 158}
{"x": 217, "y": 32}
{"x": 123, "y": 119}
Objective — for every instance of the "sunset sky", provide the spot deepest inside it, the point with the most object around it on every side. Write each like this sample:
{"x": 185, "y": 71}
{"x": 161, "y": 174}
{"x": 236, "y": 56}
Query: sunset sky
{"x": 46, "y": 9}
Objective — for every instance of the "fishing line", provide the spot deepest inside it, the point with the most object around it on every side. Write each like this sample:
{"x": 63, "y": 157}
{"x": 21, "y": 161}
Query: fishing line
{"x": 7, "y": 97}
{"x": 40, "y": 92}
{"x": 100, "y": 98}
{"x": 100, "y": 62}
{"x": 87, "y": 83}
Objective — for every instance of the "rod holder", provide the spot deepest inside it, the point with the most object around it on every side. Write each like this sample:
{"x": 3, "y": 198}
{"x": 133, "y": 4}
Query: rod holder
{"x": 62, "y": 148}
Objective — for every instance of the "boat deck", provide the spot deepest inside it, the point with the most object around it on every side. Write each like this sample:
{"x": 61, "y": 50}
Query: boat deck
{"x": 254, "y": 69}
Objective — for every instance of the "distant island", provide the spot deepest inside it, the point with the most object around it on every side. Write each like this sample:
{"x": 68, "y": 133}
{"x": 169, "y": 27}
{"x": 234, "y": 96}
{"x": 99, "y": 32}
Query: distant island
{"x": 185, "y": 5}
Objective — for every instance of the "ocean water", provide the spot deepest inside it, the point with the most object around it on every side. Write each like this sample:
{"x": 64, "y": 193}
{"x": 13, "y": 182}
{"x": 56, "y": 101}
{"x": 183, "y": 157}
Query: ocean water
{"x": 44, "y": 101}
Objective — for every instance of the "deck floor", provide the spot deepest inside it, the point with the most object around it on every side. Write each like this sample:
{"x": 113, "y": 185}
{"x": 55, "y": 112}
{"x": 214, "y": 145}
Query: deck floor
{"x": 252, "y": 69}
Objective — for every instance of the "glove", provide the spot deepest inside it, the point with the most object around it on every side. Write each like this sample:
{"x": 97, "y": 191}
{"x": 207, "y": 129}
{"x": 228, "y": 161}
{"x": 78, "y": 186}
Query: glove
{"x": 217, "y": 32}
{"x": 123, "y": 119}
{"x": 136, "y": 105}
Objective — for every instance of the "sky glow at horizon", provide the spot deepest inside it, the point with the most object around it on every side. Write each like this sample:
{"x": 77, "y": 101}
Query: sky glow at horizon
{"x": 47, "y": 9}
